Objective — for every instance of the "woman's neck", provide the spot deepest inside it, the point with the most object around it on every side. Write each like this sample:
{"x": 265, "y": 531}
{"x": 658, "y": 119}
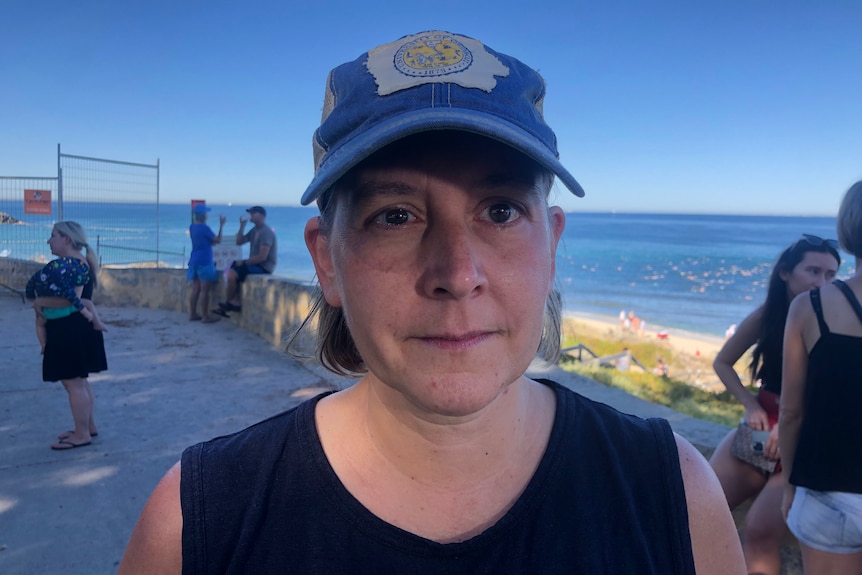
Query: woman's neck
{"x": 71, "y": 253}
{"x": 475, "y": 447}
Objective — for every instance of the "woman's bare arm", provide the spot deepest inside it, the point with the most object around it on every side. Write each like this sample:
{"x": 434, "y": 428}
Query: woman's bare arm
{"x": 734, "y": 348}
{"x": 794, "y": 372}
{"x": 156, "y": 545}
{"x": 714, "y": 540}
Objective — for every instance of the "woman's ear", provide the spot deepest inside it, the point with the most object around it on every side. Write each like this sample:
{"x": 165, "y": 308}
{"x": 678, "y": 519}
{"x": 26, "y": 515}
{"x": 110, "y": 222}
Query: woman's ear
{"x": 557, "y": 223}
{"x": 318, "y": 246}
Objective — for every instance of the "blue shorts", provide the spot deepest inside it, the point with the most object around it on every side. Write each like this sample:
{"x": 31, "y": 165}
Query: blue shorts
{"x": 205, "y": 273}
{"x": 244, "y": 270}
{"x": 829, "y": 521}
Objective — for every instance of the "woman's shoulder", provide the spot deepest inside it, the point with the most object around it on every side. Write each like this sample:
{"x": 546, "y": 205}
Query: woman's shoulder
{"x": 835, "y": 291}
{"x": 802, "y": 303}
{"x": 260, "y": 441}
{"x": 72, "y": 261}
{"x": 66, "y": 263}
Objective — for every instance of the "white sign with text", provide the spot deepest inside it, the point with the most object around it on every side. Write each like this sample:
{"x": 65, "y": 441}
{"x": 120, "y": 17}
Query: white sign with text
{"x": 225, "y": 255}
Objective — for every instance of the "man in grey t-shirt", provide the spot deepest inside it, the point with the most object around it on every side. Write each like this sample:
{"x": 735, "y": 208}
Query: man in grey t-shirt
{"x": 261, "y": 258}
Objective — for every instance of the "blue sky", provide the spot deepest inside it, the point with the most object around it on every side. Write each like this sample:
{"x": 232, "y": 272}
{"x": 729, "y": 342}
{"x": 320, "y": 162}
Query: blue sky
{"x": 730, "y": 106}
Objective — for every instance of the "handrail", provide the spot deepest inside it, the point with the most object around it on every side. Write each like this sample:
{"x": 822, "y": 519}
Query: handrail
{"x": 596, "y": 359}
{"x": 15, "y": 291}
{"x": 100, "y": 246}
{"x": 158, "y": 252}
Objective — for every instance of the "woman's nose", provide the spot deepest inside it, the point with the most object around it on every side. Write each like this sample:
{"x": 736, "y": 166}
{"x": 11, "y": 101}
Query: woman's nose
{"x": 453, "y": 264}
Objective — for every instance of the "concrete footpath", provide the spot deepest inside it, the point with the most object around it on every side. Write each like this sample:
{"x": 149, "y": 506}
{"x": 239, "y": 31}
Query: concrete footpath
{"x": 170, "y": 383}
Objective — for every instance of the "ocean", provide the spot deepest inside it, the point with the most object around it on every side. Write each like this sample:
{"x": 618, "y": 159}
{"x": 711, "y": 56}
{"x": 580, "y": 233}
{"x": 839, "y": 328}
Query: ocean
{"x": 693, "y": 273}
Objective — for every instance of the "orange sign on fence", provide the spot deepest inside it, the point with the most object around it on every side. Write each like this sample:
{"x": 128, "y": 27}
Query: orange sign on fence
{"x": 37, "y": 202}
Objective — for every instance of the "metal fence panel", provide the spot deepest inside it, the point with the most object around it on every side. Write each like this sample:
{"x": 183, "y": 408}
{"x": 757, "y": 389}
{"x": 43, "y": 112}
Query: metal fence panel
{"x": 116, "y": 202}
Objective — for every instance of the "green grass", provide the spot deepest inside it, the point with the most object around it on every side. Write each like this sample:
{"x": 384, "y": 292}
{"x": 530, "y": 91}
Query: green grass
{"x": 720, "y": 408}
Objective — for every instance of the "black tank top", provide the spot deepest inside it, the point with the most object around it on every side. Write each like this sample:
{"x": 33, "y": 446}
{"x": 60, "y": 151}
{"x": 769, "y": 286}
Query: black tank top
{"x": 829, "y": 446}
{"x": 607, "y": 497}
{"x": 87, "y": 292}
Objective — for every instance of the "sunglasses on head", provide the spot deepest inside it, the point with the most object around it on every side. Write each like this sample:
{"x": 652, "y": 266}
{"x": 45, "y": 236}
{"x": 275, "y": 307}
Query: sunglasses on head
{"x": 816, "y": 241}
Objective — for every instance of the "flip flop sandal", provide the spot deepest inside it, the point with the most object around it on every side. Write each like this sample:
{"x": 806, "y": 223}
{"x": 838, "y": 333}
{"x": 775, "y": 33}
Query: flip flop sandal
{"x": 63, "y": 445}
{"x": 66, "y": 434}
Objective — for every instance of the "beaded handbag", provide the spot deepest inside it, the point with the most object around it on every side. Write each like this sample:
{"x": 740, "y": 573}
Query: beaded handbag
{"x": 742, "y": 448}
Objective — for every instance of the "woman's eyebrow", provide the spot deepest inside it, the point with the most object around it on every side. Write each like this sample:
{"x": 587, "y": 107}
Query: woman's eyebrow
{"x": 382, "y": 188}
{"x": 365, "y": 191}
{"x": 526, "y": 182}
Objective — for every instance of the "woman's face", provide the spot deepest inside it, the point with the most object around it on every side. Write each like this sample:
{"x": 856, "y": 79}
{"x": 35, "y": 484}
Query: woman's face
{"x": 58, "y": 243}
{"x": 815, "y": 270}
{"x": 442, "y": 260}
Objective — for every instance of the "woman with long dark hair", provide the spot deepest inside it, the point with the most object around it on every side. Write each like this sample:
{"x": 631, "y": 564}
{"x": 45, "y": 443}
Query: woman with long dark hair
{"x": 809, "y": 263}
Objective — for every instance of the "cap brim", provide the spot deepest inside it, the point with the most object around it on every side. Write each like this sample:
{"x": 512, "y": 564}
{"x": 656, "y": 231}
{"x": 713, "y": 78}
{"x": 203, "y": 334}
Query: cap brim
{"x": 345, "y": 157}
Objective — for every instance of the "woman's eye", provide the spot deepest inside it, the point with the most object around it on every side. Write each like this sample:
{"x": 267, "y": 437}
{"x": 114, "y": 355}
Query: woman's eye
{"x": 502, "y": 213}
{"x": 393, "y": 217}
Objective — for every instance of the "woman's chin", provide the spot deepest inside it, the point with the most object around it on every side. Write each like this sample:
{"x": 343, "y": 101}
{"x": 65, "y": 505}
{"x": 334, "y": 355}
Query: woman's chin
{"x": 456, "y": 397}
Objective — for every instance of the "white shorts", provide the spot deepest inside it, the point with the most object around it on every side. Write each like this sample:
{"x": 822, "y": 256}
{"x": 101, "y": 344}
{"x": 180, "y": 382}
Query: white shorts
{"x": 829, "y": 521}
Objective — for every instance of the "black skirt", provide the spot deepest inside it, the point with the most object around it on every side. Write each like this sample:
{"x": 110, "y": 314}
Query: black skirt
{"x": 74, "y": 349}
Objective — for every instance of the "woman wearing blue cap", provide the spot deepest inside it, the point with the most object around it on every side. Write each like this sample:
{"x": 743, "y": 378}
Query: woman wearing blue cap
{"x": 202, "y": 272}
{"x": 435, "y": 251}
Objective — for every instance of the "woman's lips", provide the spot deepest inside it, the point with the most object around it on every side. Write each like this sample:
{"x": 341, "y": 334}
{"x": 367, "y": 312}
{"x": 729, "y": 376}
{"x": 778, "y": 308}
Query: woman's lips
{"x": 457, "y": 342}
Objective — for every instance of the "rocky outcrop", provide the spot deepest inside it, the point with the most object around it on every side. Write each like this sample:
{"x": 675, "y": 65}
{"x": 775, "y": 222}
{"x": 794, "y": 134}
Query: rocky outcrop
{"x": 7, "y": 219}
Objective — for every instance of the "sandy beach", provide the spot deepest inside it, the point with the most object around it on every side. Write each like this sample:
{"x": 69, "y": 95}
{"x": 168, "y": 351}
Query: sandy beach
{"x": 684, "y": 341}
{"x": 693, "y": 352}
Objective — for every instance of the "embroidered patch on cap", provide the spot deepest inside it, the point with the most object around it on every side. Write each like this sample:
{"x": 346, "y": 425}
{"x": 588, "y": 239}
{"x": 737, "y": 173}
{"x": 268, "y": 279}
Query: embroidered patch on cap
{"x": 433, "y": 57}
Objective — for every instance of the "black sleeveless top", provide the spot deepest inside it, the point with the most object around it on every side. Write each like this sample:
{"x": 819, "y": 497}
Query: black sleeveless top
{"x": 830, "y": 442}
{"x": 607, "y": 497}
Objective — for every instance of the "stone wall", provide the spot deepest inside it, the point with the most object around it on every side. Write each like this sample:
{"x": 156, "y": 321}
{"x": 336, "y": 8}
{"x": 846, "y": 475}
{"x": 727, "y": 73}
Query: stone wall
{"x": 273, "y": 307}
{"x": 15, "y": 273}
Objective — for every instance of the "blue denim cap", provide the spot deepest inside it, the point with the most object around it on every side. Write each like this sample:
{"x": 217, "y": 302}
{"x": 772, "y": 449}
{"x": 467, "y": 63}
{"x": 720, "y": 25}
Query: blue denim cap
{"x": 430, "y": 81}
{"x": 201, "y": 209}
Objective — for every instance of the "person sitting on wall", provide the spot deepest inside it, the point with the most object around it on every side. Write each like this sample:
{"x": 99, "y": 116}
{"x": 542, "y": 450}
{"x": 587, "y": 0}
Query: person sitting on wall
{"x": 261, "y": 259}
